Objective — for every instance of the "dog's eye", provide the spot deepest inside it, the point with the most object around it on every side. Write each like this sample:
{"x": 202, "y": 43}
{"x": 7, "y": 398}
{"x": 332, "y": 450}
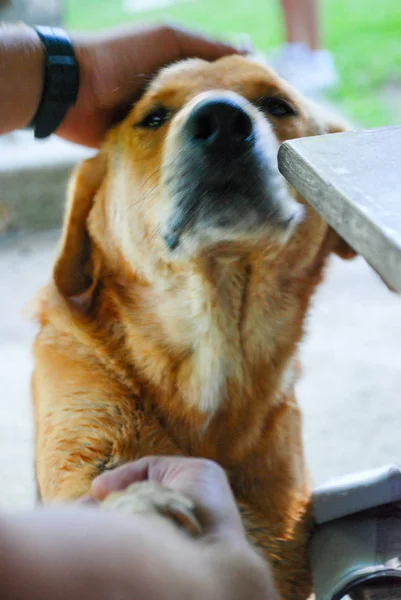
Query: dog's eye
{"x": 155, "y": 118}
{"x": 277, "y": 107}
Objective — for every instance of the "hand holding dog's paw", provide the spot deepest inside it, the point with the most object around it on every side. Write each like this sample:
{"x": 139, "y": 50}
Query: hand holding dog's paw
{"x": 151, "y": 499}
{"x": 201, "y": 483}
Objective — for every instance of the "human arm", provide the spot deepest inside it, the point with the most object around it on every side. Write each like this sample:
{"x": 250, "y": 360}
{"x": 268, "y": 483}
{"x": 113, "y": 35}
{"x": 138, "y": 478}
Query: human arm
{"x": 114, "y": 68}
{"x": 21, "y": 75}
{"x": 87, "y": 553}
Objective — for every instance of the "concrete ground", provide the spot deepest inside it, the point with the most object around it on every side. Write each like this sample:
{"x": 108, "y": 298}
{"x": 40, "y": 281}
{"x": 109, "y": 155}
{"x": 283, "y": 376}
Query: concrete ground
{"x": 350, "y": 392}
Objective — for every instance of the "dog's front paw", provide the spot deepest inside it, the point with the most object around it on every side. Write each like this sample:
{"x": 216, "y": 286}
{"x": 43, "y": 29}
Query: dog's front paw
{"x": 153, "y": 500}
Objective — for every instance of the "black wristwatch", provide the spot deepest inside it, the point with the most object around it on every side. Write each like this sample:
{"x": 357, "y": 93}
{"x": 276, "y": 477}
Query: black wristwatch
{"x": 61, "y": 81}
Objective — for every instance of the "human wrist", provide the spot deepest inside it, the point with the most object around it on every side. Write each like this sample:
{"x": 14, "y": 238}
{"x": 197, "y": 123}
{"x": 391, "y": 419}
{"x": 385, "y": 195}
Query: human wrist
{"x": 22, "y": 55}
{"x": 83, "y": 122}
{"x": 85, "y": 55}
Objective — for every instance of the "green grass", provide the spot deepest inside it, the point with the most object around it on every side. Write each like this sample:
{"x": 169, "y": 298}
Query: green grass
{"x": 364, "y": 36}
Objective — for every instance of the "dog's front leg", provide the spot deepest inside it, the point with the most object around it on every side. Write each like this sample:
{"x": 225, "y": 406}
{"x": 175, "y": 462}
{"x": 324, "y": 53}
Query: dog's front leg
{"x": 286, "y": 551}
{"x": 86, "y": 422}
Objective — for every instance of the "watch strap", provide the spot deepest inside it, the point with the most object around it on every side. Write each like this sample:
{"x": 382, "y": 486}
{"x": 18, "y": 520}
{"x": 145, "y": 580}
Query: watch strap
{"x": 61, "y": 81}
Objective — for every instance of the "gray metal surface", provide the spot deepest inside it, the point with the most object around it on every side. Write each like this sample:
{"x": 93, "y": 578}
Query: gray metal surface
{"x": 353, "y": 180}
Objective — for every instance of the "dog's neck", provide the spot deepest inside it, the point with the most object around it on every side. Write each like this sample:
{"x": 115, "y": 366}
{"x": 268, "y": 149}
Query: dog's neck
{"x": 205, "y": 316}
{"x": 215, "y": 334}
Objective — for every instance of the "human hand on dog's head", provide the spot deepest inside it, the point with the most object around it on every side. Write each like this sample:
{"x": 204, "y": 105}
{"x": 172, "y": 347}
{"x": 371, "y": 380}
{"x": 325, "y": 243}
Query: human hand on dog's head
{"x": 114, "y": 68}
{"x": 203, "y": 481}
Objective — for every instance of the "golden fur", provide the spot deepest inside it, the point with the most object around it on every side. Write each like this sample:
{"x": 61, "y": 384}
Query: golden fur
{"x": 140, "y": 353}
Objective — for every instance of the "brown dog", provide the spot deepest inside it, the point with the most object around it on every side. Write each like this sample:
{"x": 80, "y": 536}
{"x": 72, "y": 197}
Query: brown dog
{"x": 178, "y": 299}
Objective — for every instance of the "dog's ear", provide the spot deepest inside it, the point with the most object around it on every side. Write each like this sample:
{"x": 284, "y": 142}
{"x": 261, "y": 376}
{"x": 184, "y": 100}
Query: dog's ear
{"x": 75, "y": 272}
{"x": 323, "y": 120}
{"x": 339, "y": 246}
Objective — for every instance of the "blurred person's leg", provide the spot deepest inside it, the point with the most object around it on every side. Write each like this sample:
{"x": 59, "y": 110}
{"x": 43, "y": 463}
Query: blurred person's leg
{"x": 313, "y": 23}
{"x": 301, "y": 19}
{"x": 301, "y": 59}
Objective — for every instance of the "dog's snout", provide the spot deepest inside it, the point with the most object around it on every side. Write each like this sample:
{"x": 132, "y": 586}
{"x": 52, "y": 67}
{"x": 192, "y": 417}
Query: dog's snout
{"x": 220, "y": 123}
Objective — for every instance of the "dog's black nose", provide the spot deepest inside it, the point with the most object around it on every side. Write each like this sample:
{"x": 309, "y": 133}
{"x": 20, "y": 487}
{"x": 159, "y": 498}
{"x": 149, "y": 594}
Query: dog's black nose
{"x": 221, "y": 124}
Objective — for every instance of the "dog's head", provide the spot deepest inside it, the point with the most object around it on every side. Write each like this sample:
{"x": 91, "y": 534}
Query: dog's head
{"x": 191, "y": 173}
